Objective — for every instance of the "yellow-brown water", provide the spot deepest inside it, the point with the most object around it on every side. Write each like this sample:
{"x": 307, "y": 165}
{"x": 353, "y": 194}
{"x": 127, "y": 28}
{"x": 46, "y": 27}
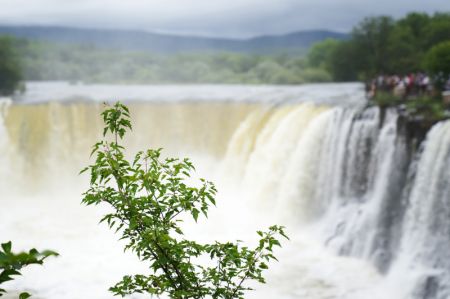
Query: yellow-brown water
{"x": 53, "y": 140}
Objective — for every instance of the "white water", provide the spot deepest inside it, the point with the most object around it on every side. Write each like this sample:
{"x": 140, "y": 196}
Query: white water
{"x": 367, "y": 219}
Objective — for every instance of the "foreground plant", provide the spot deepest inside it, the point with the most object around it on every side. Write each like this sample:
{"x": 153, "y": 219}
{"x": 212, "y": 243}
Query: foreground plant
{"x": 149, "y": 197}
{"x": 11, "y": 263}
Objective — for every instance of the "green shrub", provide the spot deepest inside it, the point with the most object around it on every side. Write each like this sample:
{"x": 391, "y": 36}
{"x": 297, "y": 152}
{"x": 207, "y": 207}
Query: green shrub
{"x": 429, "y": 108}
{"x": 316, "y": 75}
{"x": 11, "y": 263}
{"x": 149, "y": 197}
{"x": 386, "y": 99}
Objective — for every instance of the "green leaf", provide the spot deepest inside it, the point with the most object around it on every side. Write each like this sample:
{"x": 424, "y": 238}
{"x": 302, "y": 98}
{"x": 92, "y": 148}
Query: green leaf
{"x": 7, "y": 247}
{"x": 24, "y": 295}
{"x": 195, "y": 214}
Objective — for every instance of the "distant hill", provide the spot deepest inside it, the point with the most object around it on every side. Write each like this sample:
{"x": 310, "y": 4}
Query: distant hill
{"x": 165, "y": 43}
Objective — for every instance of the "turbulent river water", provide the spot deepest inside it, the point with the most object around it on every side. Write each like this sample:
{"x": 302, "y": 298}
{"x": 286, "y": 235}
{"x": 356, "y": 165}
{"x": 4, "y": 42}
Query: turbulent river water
{"x": 367, "y": 206}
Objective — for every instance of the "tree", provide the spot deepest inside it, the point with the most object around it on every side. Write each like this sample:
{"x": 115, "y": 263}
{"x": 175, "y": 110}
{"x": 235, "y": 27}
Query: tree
{"x": 437, "y": 62}
{"x": 149, "y": 197}
{"x": 369, "y": 39}
{"x": 437, "y": 59}
{"x": 343, "y": 62}
{"x": 10, "y": 70}
{"x": 437, "y": 30}
{"x": 417, "y": 24}
{"x": 320, "y": 53}
{"x": 403, "y": 56}
{"x": 11, "y": 263}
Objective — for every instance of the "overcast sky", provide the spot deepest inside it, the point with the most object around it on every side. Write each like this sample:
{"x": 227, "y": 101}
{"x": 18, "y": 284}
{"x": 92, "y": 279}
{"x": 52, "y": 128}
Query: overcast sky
{"x": 224, "y": 18}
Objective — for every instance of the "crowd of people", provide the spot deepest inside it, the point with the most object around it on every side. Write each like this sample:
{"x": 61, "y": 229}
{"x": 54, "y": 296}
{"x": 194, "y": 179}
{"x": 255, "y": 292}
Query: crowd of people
{"x": 413, "y": 84}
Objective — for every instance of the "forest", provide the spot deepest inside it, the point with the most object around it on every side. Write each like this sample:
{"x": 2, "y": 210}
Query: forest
{"x": 377, "y": 45}
{"x": 382, "y": 45}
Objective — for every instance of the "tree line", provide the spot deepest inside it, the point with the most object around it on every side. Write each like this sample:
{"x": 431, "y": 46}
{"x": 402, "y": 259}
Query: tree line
{"x": 382, "y": 45}
{"x": 42, "y": 61}
{"x": 377, "y": 45}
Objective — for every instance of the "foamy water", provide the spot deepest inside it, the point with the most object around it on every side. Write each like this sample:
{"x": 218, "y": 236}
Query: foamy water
{"x": 308, "y": 157}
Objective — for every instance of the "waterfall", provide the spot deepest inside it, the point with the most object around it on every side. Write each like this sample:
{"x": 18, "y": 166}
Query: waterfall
{"x": 349, "y": 178}
{"x": 275, "y": 148}
{"x": 4, "y": 148}
{"x": 48, "y": 142}
{"x": 352, "y": 174}
{"x": 426, "y": 240}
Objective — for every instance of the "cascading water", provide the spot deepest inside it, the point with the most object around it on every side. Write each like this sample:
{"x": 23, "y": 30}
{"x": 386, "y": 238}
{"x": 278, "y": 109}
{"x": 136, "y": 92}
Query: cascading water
{"x": 350, "y": 174}
{"x": 361, "y": 188}
{"x": 425, "y": 243}
{"x": 368, "y": 213}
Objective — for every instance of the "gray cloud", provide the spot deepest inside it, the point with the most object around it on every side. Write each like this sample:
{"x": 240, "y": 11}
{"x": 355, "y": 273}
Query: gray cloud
{"x": 237, "y": 18}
